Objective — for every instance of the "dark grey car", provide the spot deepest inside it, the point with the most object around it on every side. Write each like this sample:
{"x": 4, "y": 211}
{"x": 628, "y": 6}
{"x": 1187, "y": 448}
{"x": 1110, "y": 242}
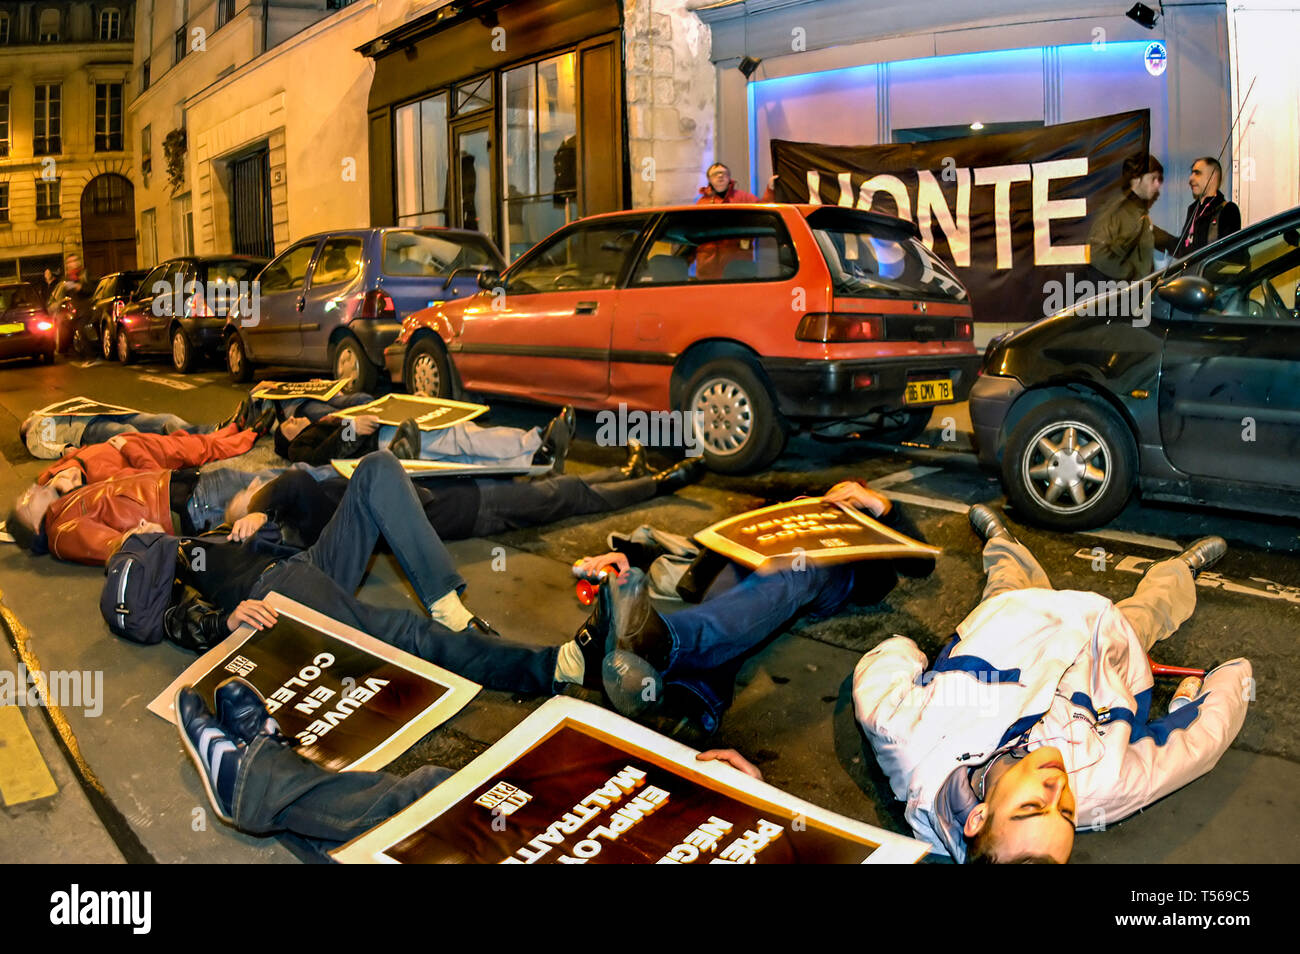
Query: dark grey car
{"x": 333, "y": 301}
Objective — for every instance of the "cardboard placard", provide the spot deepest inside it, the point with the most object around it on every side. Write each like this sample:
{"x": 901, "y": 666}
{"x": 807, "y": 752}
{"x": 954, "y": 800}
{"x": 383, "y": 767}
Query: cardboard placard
{"x": 441, "y": 468}
{"x": 825, "y": 533}
{"x": 429, "y": 413}
{"x": 349, "y": 700}
{"x": 318, "y": 389}
{"x": 577, "y": 783}
{"x": 83, "y": 407}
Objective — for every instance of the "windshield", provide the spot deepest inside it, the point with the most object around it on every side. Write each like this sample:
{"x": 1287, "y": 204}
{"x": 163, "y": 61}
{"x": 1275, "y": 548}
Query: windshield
{"x": 867, "y": 264}
{"x": 19, "y": 296}
{"x": 433, "y": 255}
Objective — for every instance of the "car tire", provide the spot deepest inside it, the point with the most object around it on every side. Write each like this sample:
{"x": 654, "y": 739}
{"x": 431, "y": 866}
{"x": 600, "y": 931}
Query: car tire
{"x": 428, "y": 372}
{"x": 81, "y": 347}
{"x": 125, "y": 353}
{"x": 740, "y": 429}
{"x": 1065, "y": 481}
{"x": 183, "y": 356}
{"x": 348, "y": 360}
{"x": 237, "y": 363}
{"x": 107, "y": 342}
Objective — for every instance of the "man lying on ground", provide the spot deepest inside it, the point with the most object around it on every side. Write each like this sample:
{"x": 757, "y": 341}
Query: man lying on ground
{"x": 260, "y": 785}
{"x": 49, "y": 437}
{"x": 1035, "y": 719}
{"x": 460, "y": 507}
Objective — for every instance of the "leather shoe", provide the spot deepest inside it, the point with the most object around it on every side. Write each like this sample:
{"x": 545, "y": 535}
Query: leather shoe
{"x": 988, "y": 523}
{"x": 557, "y": 437}
{"x": 405, "y": 445}
{"x": 242, "y": 712}
{"x": 596, "y": 640}
{"x": 638, "y": 464}
{"x": 215, "y": 752}
{"x": 1203, "y": 553}
{"x": 265, "y": 424}
{"x": 682, "y": 474}
{"x": 636, "y": 624}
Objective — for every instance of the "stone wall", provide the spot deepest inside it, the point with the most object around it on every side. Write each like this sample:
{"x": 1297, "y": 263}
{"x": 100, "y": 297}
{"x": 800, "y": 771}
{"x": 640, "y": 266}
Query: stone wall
{"x": 671, "y": 97}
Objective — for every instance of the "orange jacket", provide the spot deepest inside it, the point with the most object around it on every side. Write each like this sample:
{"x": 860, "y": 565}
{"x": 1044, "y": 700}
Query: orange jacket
{"x": 141, "y": 452}
{"x": 711, "y": 258}
{"x": 85, "y": 525}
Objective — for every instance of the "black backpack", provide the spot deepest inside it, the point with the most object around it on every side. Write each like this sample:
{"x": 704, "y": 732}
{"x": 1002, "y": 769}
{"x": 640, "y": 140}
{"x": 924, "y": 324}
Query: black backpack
{"x": 138, "y": 587}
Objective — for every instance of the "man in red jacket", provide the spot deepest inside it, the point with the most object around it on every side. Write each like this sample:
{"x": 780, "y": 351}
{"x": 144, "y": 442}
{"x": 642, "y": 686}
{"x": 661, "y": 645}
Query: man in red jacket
{"x": 711, "y": 258}
{"x": 135, "y": 452}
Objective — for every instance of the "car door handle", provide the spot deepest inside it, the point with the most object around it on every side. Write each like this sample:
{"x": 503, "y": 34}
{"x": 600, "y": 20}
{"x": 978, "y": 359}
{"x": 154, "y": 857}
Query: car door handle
{"x": 586, "y": 308}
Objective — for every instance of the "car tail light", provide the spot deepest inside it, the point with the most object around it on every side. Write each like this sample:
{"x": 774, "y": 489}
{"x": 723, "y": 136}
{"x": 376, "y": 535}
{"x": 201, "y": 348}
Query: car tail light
{"x": 826, "y": 327}
{"x": 863, "y": 381}
{"x": 963, "y": 330}
{"x": 44, "y": 324}
{"x": 376, "y": 304}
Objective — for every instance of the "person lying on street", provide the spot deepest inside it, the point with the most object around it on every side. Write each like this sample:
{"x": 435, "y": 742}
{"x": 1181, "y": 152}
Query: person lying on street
{"x": 300, "y": 441}
{"x": 1035, "y": 719}
{"x": 50, "y": 437}
{"x": 690, "y": 658}
{"x": 258, "y": 783}
{"x": 459, "y": 508}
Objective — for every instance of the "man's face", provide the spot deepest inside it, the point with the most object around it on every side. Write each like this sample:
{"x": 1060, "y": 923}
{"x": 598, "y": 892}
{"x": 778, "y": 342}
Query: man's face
{"x": 1029, "y": 806}
{"x": 719, "y": 178}
{"x": 1203, "y": 180}
{"x": 1147, "y": 187}
{"x": 293, "y": 427}
{"x": 34, "y": 502}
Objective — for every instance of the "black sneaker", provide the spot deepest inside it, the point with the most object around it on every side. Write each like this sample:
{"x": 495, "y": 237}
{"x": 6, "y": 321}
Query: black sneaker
{"x": 214, "y": 751}
{"x": 557, "y": 437}
{"x": 241, "y": 710}
{"x": 242, "y": 416}
{"x": 1204, "y": 553}
{"x": 682, "y": 474}
{"x": 595, "y": 640}
{"x": 265, "y": 424}
{"x": 988, "y": 523}
{"x": 405, "y": 445}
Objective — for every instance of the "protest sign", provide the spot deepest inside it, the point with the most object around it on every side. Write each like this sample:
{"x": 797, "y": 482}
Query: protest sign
{"x": 810, "y": 529}
{"x": 429, "y": 413}
{"x": 83, "y": 407}
{"x": 575, "y": 783}
{"x": 347, "y": 700}
{"x": 441, "y": 468}
{"x": 318, "y": 389}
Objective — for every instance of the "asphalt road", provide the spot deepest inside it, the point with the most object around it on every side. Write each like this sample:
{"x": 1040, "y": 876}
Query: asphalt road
{"x": 135, "y": 796}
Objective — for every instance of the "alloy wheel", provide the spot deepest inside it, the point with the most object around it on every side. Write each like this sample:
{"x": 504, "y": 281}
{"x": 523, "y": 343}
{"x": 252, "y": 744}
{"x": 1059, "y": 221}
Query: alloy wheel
{"x": 723, "y": 416}
{"x": 1067, "y": 466}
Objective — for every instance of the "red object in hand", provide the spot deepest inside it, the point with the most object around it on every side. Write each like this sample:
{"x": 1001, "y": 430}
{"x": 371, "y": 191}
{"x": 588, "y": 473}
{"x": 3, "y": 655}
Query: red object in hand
{"x": 587, "y": 592}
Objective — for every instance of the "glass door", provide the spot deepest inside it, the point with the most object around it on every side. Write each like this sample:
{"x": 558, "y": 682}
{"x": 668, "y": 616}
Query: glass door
{"x": 471, "y": 175}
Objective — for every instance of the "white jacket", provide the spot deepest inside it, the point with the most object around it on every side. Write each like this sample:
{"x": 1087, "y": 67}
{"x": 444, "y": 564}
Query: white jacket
{"x": 1073, "y": 675}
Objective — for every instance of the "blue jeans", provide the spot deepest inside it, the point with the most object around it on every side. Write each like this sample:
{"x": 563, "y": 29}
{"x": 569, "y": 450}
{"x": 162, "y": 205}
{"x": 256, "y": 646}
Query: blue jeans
{"x": 279, "y": 790}
{"x": 214, "y": 490}
{"x": 471, "y": 444}
{"x": 102, "y": 427}
{"x": 314, "y": 410}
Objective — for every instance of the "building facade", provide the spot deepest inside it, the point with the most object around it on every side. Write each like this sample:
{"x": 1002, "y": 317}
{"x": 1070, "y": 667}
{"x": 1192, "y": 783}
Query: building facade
{"x": 65, "y": 156}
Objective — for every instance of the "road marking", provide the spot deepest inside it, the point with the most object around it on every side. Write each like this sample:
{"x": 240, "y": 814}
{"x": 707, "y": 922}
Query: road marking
{"x": 904, "y": 476}
{"x": 24, "y": 776}
{"x": 167, "y": 382}
{"x": 88, "y": 364}
{"x": 1208, "y": 579}
{"x": 934, "y": 503}
{"x": 1141, "y": 539}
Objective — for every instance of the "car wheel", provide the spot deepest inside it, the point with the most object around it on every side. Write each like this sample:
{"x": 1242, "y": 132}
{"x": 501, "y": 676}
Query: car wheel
{"x": 350, "y": 362}
{"x": 125, "y": 353}
{"x": 1069, "y": 465}
{"x": 182, "y": 352}
{"x": 107, "y": 342}
{"x": 237, "y": 363}
{"x": 733, "y": 417}
{"x": 427, "y": 371}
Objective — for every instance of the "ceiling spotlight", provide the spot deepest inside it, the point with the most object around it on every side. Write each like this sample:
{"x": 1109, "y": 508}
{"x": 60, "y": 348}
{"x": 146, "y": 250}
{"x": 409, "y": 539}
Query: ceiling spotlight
{"x": 748, "y": 65}
{"x": 977, "y": 125}
{"x": 1143, "y": 15}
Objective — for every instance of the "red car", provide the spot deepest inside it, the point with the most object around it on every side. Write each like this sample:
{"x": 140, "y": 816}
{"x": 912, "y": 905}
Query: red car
{"x": 747, "y": 320}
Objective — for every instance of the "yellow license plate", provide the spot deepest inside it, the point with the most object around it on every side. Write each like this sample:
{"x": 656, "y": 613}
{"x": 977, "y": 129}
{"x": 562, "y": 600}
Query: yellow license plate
{"x": 928, "y": 392}
{"x": 10, "y": 329}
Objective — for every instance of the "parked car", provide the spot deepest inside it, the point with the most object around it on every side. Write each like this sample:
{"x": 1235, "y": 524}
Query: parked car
{"x": 26, "y": 328}
{"x": 334, "y": 301}
{"x": 750, "y": 320}
{"x": 107, "y": 304}
{"x": 180, "y": 308}
{"x": 1194, "y": 396}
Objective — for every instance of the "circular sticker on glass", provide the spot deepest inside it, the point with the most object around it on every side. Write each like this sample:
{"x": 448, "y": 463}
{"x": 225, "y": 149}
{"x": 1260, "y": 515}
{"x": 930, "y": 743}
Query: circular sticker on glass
{"x": 1156, "y": 58}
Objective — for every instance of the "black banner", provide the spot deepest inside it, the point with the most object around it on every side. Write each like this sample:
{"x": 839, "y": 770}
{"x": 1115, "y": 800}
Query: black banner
{"x": 1009, "y": 211}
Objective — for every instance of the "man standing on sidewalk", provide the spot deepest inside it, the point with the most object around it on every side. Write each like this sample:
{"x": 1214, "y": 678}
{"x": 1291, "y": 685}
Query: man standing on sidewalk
{"x": 1035, "y": 719}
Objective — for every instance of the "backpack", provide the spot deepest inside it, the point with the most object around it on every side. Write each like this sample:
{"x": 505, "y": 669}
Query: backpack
{"x": 138, "y": 585}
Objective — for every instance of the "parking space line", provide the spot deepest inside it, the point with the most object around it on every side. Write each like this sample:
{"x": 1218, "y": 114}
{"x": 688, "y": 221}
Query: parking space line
{"x": 167, "y": 382}
{"x": 934, "y": 503}
{"x": 1141, "y": 539}
{"x": 904, "y": 476}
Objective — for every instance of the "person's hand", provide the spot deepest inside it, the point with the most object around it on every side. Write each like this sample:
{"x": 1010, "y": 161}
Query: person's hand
{"x": 771, "y": 183}
{"x": 853, "y": 494}
{"x": 246, "y": 526}
{"x": 588, "y": 567}
{"x": 732, "y": 758}
{"x": 256, "y": 613}
{"x": 117, "y": 442}
{"x": 70, "y": 478}
{"x": 366, "y": 424}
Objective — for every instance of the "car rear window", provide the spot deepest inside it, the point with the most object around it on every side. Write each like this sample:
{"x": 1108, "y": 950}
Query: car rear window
{"x": 433, "y": 255}
{"x": 870, "y": 262}
{"x": 231, "y": 270}
{"x": 19, "y": 296}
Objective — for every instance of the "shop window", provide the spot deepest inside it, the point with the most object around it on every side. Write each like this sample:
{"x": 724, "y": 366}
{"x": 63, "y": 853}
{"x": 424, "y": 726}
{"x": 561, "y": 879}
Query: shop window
{"x": 541, "y": 185}
{"x": 47, "y": 199}
{"x": 110, "y": 24}
{"x": 108, "y": 117}
{"x": 47, "y": 126}
{"x": 420, "y": 159}
{"x": 48, "y": 31}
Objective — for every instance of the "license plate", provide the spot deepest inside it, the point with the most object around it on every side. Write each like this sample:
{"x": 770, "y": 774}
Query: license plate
{"x": 928, "y": 392}
{"x": 12, "y": 328}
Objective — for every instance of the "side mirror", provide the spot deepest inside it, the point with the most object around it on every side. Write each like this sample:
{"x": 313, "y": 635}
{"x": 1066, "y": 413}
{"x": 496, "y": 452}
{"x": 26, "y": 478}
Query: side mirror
{"x": 1189, "y": 293}
{"x": 462, "y": 270}
{"x": 488, "y": 279}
